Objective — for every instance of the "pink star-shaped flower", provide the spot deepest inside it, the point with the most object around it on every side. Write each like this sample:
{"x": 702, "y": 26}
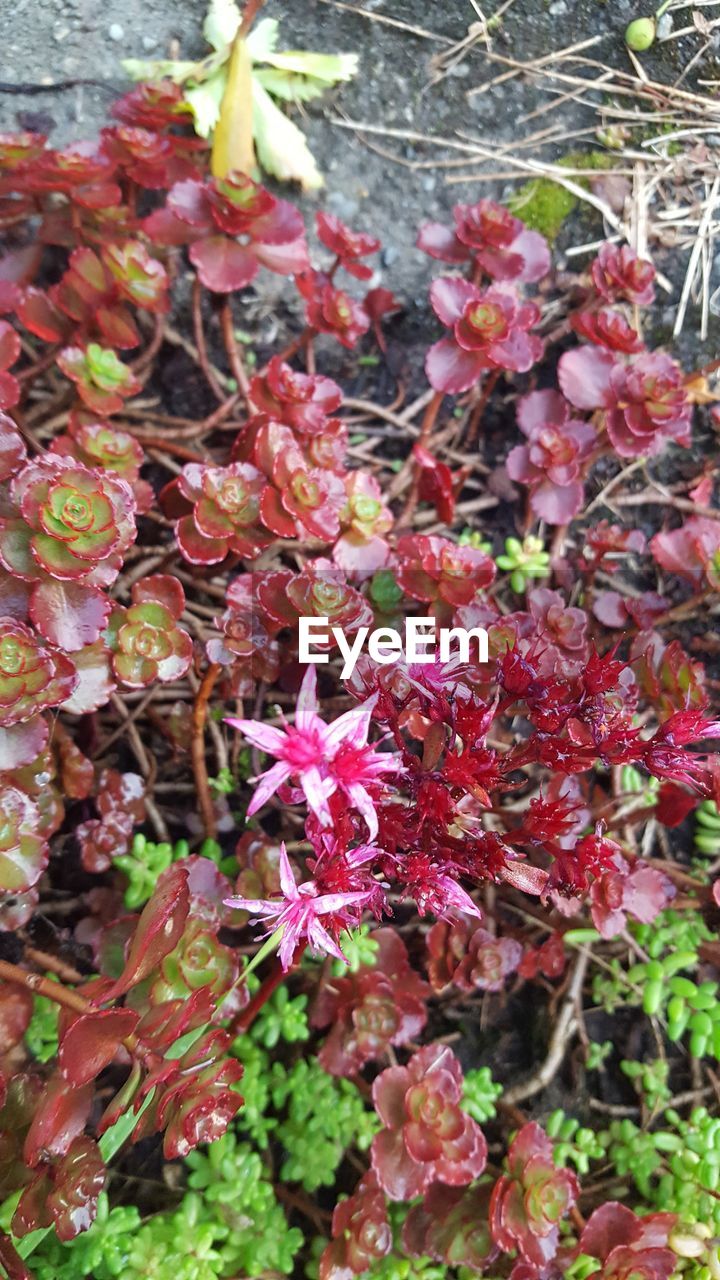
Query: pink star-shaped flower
{"x": 320, "y": 757}
{"x": 298, "y": 913}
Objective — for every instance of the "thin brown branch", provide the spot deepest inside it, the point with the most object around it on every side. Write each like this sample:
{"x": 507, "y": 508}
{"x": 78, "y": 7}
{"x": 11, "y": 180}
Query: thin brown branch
{"x": 39, "y": 985}
{"x": 565, "y": 1025}
{"x": 199, "y": 718}
{"x": 201, "y": 344}
{"x": 237, "y": 367}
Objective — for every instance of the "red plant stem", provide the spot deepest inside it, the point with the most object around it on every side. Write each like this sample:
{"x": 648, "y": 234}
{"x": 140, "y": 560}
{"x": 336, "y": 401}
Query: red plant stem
{"x": 147, "y": 356}
{"x": 250, "y": 13}
{"x": 199, "y": 717}
{"x": 43, "y": 960}
{"x": 428, "y": 421}
{"x": 477, "y": 413}
{"x": 233, "y": 352}
{"x": 11, "y": 1261}
{"x": 42, "y": 986}
{"x": 159, "y": 442}
{"x": 200, "y": 341}
{"x": 423, "y": 439}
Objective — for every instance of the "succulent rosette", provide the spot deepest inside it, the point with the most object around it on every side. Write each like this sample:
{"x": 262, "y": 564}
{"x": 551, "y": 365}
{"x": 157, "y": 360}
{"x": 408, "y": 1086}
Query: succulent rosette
{"x": 331, "y": 310}
{"x": 348, "y": 246}
{"x": 439, "y": 571}
{"x": 618, "y": 273}
{"x": 428, "y": 1137}
{"x": 551, "y": 462}
{"x": 607, "y": 328}
{"x": 489, "y": 330}
{"x": 33, "y": 677}
{"x": 78, "y": 522}
{"x": 320, "y": 590}
{"x": 103, "y": 381}
{"x": 98, "y": 444}
{"x": 645, "y": 401}
{"x": 362, "y": 1234}
{"x": 224, "y": 511}
{"x": 488, "y": 233}
{"x": 469, "y": 957}
{"x": 302, "y": 501}
{"x": 233, "y": 227}
{"x": 530, "y": 1201}
{"x": 146, "y": 642}
{"x": 628, "y": 1247}
{"x": 300, "y": 400}
{"x": 381, "y": 1005}
{"x": 23, "y": 851}
{"x": 365, "y": 519}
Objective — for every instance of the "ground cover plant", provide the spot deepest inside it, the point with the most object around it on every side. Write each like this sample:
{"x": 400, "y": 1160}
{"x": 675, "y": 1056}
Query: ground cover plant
{"x": 411, "y": 972}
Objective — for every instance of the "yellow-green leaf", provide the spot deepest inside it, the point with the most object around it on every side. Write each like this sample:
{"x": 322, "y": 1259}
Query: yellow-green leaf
{"x": 263, "y": 39}
{"x": 141, "y": 69}
{"x": 289, "y": 86}
{"x": 329, "y": 67}
{"x": 221, "y": 23}
{"x": 282, "y": 148}
{"x": 232, "y": 148}
{"x": 205, "y": 100}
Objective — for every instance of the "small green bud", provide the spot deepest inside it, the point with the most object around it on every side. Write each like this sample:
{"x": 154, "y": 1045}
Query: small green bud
{"x": 640, "y": 34}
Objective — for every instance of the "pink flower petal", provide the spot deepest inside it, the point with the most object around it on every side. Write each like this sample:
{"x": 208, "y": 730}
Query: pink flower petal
{"x": 264, "y": 736}
{"x": 287, "y": 879}
{"x": 268, "y": 784}
{"x": 316, "y": 793}
{"x": 307, "y": 703}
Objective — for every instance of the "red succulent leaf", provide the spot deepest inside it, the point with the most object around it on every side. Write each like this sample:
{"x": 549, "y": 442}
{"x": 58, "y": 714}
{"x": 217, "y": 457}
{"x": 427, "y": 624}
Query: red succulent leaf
{"x": 158, "y": 930}
{"x": 378, "y": 303}
{"x": 41, "y": 316}
{"x": 16, "y": 1010}
{"x": 95, "y": 682}
{"x": 22, "y": 743}
{"x": 435, "y": 484}
{"x": 585, "y": 377}
{"x": 162, "y": 588}
{"x": 11, "y": 1261}
{"x": 77, "y": 1181}
{"x": 9, "y": 345}
{"x": 59, "y": 1119}
{"x": 92, "y": 1041}
{"x": 222, "y": 264}
{"x": 70, "y": 615}
{"x": 9, "y": 391}
{"x": 12, "y": 448}
{"x": 23, "y": 851}
{"x": 674, "y": 804}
